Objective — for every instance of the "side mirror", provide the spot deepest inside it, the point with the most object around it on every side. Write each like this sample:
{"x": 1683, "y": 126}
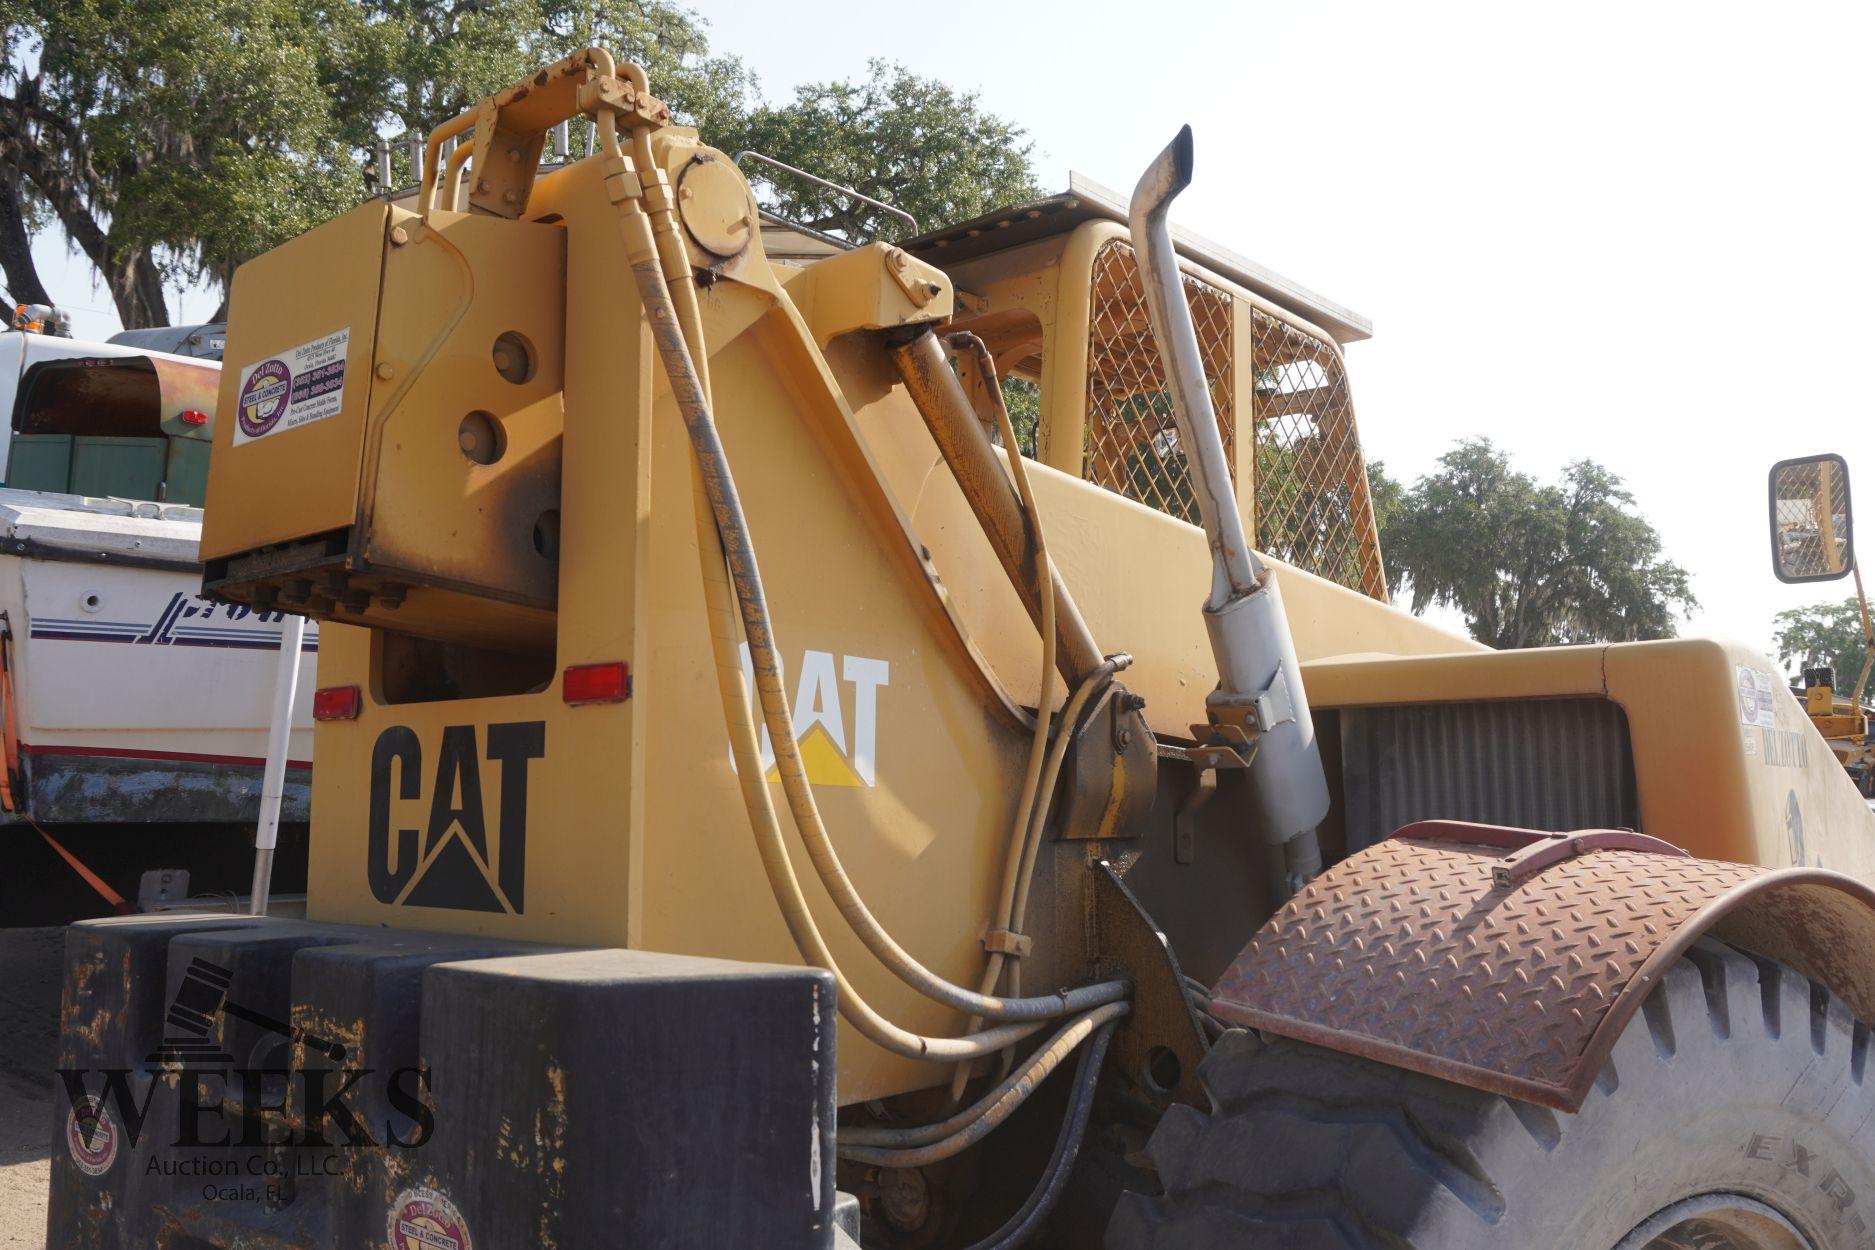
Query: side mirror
{"x": 1812, "y": 525}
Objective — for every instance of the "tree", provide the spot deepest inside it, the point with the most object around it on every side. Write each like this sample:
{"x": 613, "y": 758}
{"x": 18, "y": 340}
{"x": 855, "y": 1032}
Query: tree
{"x": 1823, "y": 633}
{"x": 412, "y": 64}
{"x": 912, "y": 142}
{"x": 167, "y": 138}
{"x": 1387, "y": 495}
{"x": 172, "y": 139}
{"x": 20, "y": 216}
{"x": 1023, "y": 401}
{"x": 1529, "y": 564}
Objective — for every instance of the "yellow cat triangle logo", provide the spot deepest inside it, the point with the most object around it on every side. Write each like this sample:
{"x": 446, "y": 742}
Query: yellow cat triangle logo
{"x": 836, "y": 717}
{"x": 822, "y": 759}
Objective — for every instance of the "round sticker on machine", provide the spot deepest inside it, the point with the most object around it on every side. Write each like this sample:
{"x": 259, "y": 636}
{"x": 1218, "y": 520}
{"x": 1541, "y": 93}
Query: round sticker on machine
{"x": 91, "y": 1135}
{"x": 263, "y": 397}
{"x": 422, "y": 1219}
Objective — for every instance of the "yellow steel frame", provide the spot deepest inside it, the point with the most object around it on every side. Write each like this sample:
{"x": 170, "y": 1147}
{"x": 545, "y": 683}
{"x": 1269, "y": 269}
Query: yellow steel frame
{"x": 910, "y": 657}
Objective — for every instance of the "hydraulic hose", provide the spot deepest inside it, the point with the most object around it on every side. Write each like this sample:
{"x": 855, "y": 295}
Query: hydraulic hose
{"x": 956, "y": 428}
{"x": 1045, "y": 588}
{"x": 965, "y": 1127}
{"x": 1029, "y": 843}
{"x": 1038, "y": 743}
{"x": 1070, "y": 719}
{"x": 687, "y": 388}
{"x": 1001, "y": 510}
{"x": 928, "y": 1143}
{"x": 752, "y": 600}
{"x": 1041, "y": 1202}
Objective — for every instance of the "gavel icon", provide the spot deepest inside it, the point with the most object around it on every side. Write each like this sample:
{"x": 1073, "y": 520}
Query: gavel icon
{"x": 201, "y": 997}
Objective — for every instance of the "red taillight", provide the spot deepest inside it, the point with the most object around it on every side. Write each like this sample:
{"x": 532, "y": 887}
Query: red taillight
{"x": 336, "y": 703}
{"x": 597, "y": 683}
{"x": 193, "y": 416}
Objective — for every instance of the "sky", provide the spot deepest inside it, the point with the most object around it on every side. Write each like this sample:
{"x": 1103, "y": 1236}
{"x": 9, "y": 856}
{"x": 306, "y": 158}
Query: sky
{"x": 1631, "y": 232}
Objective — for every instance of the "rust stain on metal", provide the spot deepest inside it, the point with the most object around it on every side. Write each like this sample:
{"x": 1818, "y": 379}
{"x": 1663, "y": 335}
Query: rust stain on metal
{"x": 347, "y": 1032}
{"x": 1409, "y": 954}
{"x": 82, "y": 1017}
{"x": 550, "y": 1139}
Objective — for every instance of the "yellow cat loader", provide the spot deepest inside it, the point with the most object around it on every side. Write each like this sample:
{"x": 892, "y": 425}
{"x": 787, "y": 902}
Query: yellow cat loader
{"x": 756, "y": 806}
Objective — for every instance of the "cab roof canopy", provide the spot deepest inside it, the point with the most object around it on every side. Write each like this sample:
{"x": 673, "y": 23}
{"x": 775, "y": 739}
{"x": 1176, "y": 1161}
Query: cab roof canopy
{"x": 1087, "y": 200}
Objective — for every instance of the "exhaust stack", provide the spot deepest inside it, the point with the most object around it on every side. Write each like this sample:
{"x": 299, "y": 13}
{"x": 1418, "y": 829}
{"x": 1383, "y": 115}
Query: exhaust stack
{"x": 1259, "y": 702}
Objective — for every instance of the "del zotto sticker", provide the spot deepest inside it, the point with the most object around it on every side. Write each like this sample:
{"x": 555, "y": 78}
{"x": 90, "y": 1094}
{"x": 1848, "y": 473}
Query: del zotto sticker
{"x": 1756, "y": 704}
{"x": 91, "y": 1135}
{"x": 422, "y": 1219}
{"x": 299, "y": 386}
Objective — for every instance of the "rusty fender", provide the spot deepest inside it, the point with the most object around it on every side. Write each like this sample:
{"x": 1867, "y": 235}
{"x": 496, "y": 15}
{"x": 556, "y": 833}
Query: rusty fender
{"x": 1509, "y": 960}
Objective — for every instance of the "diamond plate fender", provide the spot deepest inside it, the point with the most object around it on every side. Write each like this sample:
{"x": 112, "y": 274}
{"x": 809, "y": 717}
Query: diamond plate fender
{"x": 1411, "y": 953}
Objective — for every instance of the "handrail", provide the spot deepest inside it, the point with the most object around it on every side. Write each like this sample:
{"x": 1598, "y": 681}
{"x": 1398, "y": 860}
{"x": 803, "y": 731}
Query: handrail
{"x": 818, "y": 181}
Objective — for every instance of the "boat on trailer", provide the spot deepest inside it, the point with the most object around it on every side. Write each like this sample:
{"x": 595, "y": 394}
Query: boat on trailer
{"x": 134, "y": 713}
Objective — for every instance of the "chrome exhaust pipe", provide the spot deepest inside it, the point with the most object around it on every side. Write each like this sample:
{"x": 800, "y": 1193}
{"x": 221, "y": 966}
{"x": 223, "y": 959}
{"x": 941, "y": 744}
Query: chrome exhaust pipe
{"x": 1235, "y": 569}
{"x": 1259, "y": 681}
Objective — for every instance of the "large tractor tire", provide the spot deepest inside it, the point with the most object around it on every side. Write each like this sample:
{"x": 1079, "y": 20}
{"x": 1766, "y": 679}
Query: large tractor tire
{"x": 1734, "y": 1114}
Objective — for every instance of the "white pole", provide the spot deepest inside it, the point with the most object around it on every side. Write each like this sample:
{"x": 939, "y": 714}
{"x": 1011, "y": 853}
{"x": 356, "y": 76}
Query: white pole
{"x": 273, "y": 778}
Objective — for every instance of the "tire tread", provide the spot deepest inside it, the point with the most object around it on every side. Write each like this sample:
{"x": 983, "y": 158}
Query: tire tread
{"x": 1307, "y": 1147}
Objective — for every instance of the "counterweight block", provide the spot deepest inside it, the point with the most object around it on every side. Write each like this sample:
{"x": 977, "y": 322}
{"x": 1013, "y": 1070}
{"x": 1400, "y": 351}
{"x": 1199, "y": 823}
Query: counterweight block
{"x": 236, "y": 1081}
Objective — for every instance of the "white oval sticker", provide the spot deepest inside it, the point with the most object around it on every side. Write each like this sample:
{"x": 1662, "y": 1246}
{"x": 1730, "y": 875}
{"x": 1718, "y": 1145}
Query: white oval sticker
{"x": 92, "y": 1135}
{"x": 422, "y": 1219}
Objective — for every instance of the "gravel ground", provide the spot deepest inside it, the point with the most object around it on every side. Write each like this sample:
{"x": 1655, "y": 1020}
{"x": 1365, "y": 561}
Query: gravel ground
{"x": 29, "y": 1025}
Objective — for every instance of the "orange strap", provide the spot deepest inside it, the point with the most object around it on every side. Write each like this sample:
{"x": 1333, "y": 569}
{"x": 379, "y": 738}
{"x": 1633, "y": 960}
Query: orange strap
{"x": 9, "y": 771}
{"x": 9, "y": 720}
{"x": 92, "y": 879}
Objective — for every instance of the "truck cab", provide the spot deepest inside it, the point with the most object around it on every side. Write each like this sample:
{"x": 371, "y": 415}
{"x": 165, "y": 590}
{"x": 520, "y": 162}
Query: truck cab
{"x": 105, "y": 419}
